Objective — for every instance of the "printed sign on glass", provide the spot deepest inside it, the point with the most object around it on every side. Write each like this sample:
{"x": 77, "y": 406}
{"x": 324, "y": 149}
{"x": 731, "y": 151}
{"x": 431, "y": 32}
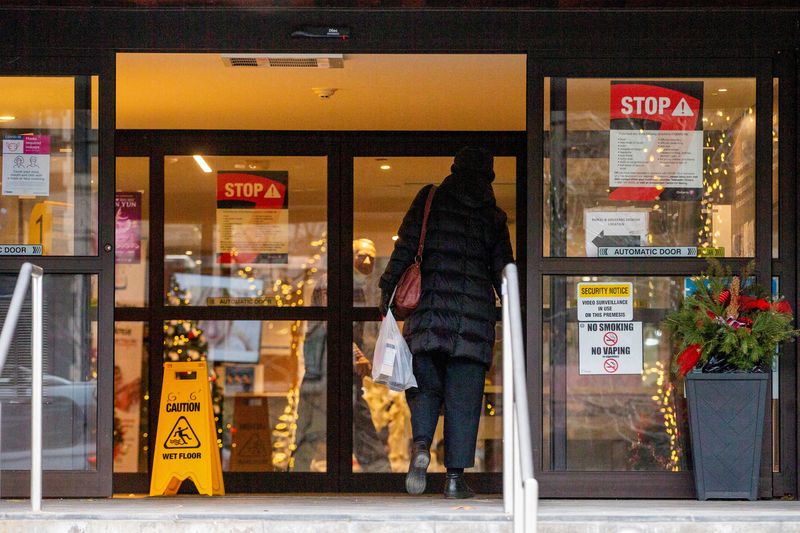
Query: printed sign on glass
{"x": 128, "y": 218}
{"x": 608, "y": 348}
{"x": 614, "y": 228}
{"x": 252, "y": 217}
{"x": 656, "y": 140}
{"x": 605, "y": 301}
{"x": 26, "y": 165}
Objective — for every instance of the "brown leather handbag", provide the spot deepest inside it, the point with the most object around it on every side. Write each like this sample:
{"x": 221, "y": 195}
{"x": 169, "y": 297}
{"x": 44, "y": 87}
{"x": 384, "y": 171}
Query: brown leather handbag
{"x": 408, "y": 290}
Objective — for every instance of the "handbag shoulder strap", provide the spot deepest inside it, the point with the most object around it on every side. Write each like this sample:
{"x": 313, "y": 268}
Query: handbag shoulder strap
{"x": 422, "y": 232}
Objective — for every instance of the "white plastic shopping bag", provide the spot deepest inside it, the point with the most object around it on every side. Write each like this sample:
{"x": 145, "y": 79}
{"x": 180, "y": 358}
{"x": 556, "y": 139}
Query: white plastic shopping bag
{"x": 391, "y": 364}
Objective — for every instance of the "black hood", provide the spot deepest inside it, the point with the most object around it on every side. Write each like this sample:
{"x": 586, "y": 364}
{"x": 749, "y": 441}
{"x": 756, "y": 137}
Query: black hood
{"x": 469, "y": 190}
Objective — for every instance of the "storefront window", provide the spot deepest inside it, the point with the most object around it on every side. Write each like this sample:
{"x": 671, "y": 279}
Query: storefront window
{"x": 649, "y": 167}
{"x": 245, "y": 231}
{"x": 611, "y": 402}
{"x": 132, "y": 232}
{"x": 69, "y": 423}
{"x": 268, "y": 389}
{"x": 49, "y": 196}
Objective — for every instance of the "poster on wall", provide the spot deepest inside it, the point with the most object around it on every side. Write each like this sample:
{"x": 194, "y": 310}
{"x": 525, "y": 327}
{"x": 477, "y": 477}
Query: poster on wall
{"x": 656, "y": 140}
{"x": 252, "y": 217}
{"x": 128, "y": 219}
{"x": 128, "y": 347}
{"x": 26, "y": 165}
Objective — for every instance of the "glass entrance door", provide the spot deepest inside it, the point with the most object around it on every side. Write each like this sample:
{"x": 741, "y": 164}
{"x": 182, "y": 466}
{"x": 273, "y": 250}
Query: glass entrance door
{"x": 55, "y": 178}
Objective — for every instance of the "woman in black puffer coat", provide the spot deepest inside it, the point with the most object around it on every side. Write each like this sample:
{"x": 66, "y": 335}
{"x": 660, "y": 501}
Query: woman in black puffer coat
{"x": 451, "y": 333}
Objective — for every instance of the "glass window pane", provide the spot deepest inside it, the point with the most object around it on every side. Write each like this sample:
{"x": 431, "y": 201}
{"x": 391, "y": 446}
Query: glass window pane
{"x": 382, "y": 420}
{"x": 131, "y": 397}
{"x": 632, "y": 163}
{"x": 49, "y": 167}
{"x": 69, "y": 413}
{"x": 382, "y": 197}
{"x": 266, "y": 421}
{"x": 619, "y": 422}
{"x": 132, "y": 231}
{"x": 252, "y": 231}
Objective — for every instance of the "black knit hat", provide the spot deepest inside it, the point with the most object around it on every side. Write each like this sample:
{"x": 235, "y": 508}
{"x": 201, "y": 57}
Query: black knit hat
{"x": 474, "y": 162}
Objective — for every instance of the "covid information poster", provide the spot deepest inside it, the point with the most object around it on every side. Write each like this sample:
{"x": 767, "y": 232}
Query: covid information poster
{"x": 656, "y": 140}
{"x": 252, "y": 217}
{"x": 26, "y": 165}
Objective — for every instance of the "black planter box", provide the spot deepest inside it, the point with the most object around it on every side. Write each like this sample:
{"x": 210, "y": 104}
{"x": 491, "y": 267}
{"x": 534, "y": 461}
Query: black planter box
{"x": 726, "y": 419}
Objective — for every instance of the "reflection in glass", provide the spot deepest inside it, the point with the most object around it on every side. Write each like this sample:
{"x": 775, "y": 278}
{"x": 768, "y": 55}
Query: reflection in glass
{"x": 132, "y": 232}
{"x": 381, "y": 198}
{"x": 613, "y": 422}
{"x": 714, "y": 210}
{"x": 131, "y": 397}
{"x": 268, "y": 389}
{"x": 252, "y": 232}
{"x": 382, "y": 419}
{"x": 50, "y": 142}
{"x": 69, "y": 413}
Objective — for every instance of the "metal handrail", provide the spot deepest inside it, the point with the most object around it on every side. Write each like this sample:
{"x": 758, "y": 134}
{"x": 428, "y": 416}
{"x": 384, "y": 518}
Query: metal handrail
{"x": 520, "y": 488}
{"x": 27, "y": 273}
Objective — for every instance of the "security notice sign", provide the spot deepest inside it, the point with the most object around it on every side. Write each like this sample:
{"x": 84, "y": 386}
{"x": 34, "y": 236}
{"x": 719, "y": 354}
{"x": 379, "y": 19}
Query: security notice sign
{"x": 610, "y": 348}
{"x": 252, "y": 217}
{"x": 656, "y": 140}
{"x": 605, "y": 301}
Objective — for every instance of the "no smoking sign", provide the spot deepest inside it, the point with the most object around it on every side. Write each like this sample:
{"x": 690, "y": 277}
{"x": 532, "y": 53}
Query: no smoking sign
{"x": 610, "y": 348}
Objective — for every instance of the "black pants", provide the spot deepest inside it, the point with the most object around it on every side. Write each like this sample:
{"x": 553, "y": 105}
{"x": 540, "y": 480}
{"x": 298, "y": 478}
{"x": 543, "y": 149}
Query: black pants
{"x": 457, "y": 383}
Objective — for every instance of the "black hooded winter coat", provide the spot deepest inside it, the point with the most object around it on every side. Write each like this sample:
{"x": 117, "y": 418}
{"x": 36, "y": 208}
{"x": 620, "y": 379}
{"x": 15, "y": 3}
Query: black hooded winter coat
{"x": 466, "y": 248}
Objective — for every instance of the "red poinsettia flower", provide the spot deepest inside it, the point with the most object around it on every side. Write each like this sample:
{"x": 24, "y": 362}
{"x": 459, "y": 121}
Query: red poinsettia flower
{"x": 748, "y": 303}
{"x": 783, "y": 307}
{"x": 688, "y": 358}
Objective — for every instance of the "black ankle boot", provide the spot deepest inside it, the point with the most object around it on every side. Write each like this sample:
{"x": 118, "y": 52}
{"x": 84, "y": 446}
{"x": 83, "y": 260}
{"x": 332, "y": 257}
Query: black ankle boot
{"x": 455, "y": 486}
{"x": 417, "y": 468}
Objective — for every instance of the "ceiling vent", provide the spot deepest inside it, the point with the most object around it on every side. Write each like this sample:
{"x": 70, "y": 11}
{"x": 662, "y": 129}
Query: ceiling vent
{"x": 284, "y": 60}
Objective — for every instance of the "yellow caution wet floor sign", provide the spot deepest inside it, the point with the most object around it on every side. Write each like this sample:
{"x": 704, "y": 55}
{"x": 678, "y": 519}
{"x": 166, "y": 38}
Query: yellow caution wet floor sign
{"x": 186, "y": 441}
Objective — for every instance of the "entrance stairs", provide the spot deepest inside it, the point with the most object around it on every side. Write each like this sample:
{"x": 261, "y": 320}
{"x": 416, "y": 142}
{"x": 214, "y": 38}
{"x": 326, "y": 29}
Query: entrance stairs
{"x": 389, "y": 513}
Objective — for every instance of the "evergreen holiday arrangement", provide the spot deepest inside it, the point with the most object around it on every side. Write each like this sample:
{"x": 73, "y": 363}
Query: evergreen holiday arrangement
{"x": 729, "y": 323}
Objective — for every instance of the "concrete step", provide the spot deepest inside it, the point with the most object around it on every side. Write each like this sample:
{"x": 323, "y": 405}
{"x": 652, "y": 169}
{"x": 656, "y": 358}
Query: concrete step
{"x": 385, "y": 513}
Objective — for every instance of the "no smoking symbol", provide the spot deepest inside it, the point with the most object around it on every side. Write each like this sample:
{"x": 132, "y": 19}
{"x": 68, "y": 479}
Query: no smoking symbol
{"x": 610, "y": 338}
{"x": 610, "y": 365}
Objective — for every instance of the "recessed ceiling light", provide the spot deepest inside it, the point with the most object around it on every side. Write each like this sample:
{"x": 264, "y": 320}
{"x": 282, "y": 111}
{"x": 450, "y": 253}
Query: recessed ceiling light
{"x": 7, "y": 118}
{"x": 722, "y": 90}
{"x": 385, "y": 167}
{"x": 395, "y": 237}
{"x": 202, "y": 163}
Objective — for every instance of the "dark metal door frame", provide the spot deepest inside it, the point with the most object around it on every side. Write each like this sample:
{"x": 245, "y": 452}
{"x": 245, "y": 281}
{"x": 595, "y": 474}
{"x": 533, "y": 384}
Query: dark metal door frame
{"x": 340, "y": 148}
{"x": 664, "y": 484}
{"x": 74, "y": 483}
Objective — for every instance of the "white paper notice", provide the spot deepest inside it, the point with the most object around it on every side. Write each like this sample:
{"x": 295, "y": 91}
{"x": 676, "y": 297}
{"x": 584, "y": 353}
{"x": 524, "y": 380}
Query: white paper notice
{"x": 668, "y": 159}
{"x": 615, "y": 228}
{"x": 605, "y": 301}
{"x": 26, "y": 165}
{"x": 610, "y": 348}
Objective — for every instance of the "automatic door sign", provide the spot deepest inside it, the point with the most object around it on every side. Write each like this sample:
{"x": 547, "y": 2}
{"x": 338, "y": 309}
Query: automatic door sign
{"x": 605, "y": 301}
{"x": 186, "y": 444}
{"x": 656, "y": 140}
{"x": 610, "y": 348}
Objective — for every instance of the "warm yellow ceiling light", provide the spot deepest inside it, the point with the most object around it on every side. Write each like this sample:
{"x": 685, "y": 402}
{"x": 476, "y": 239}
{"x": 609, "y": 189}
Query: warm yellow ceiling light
{"x": 202, "y": 163}
{"x": 385, "y": 167}
{"x": 7, "y": 118}
{"x": 723, "y": 90}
